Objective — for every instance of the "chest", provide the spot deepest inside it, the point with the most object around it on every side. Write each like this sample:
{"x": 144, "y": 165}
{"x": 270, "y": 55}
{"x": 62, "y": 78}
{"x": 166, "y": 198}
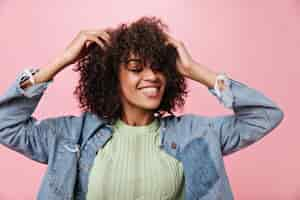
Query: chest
{"x": 134, "y": 167}
{"x": 71, "y": 167}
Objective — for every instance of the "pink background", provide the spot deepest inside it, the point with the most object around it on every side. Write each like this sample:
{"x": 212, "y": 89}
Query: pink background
{"x": 254, "y": 41}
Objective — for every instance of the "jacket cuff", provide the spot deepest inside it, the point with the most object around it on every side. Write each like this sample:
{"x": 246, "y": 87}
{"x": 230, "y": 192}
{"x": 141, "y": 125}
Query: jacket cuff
{"x": 32, "y": 90}
{"x": 224, "y": 96}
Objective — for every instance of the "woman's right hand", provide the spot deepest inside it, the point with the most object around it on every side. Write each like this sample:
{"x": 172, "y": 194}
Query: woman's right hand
{"x": 77, "y": 48}
{"x": 74, "y": 51}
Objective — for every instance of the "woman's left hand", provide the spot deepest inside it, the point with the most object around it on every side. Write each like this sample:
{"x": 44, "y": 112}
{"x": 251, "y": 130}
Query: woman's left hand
{"x": 184, "y": 61}
{"x": 189, "y": 68}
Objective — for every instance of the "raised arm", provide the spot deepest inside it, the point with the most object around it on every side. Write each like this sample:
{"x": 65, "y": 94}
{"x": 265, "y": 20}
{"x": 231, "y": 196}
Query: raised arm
{"x": 19, "y": 130}
{"x": 255, "y": 115}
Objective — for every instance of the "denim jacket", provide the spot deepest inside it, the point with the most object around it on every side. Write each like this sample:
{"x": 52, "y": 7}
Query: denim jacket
{"x": 68, "y": 144}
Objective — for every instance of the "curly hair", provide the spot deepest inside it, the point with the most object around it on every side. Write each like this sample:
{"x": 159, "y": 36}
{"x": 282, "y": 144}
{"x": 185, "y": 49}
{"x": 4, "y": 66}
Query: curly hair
{"x": 97, "y": 90}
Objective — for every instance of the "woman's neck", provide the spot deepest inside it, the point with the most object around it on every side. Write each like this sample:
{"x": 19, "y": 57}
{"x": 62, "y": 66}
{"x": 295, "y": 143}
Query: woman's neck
{"x": 137, "y": 119}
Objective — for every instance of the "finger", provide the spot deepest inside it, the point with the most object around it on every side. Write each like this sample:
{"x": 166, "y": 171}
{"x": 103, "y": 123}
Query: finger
{"x": 93, "y": 38}
{"x": 106, "y": 37}
{"x": 171, "y": 40}
{"x": 88, "y": 43}
{"x": 102, "y": 34}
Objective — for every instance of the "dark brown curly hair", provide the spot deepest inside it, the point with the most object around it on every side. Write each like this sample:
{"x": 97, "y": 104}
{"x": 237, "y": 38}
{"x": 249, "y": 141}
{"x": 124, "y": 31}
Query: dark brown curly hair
{"x": 97, "y": 90}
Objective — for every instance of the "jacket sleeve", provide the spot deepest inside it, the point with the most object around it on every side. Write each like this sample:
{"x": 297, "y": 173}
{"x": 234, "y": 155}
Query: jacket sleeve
{"x": 19, "y": 130}
{"x": 255, "y": 115}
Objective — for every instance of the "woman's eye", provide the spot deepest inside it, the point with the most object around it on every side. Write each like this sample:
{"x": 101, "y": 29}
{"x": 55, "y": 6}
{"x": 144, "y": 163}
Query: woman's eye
{"x": 136, "y": 69}
{"x": 156, "y": 67}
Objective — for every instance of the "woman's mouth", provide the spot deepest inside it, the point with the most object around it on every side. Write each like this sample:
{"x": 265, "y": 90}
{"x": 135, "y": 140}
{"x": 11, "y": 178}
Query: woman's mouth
{"x": 151, "y": 92}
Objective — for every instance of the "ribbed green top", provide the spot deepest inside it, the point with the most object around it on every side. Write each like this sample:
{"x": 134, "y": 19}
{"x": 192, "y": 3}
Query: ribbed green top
{"x": 131, "y": 166}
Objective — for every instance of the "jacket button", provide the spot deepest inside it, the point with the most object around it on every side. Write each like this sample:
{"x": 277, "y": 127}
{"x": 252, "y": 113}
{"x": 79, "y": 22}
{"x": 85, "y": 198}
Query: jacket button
{"x": 173, "y": 145}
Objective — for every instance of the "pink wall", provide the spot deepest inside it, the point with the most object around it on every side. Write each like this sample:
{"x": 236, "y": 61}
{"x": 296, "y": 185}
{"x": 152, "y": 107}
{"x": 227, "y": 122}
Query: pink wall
{"x": 254, "y": 41}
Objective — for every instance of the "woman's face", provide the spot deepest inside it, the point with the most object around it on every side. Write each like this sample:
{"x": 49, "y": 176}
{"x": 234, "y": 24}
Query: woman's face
{"x": 141, "y": 87}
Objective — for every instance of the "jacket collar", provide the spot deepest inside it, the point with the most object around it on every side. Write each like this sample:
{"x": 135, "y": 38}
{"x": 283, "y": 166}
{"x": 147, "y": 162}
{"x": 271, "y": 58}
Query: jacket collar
{"x": 93, "y": 122}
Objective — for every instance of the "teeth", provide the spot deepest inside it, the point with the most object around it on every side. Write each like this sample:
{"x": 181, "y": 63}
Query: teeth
{"x": 150, "y": 91}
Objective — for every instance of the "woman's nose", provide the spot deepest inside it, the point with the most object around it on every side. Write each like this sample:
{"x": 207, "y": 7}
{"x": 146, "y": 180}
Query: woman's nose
{"x": 149, "y": 73}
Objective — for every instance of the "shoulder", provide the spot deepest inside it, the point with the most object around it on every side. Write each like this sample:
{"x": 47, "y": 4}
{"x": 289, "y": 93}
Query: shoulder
{"x": 188, "y": 119}
{"x": 187, "y": 127}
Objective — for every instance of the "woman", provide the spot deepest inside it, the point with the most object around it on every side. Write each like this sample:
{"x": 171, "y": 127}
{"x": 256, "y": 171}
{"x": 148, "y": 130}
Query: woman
{"x": 123, "y": 146}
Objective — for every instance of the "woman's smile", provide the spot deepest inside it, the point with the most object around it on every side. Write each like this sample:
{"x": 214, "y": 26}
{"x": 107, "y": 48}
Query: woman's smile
{"x": 151, "y": 92}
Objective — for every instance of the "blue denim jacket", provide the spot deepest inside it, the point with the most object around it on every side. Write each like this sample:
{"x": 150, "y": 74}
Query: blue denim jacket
{"x": 68, "y": 144}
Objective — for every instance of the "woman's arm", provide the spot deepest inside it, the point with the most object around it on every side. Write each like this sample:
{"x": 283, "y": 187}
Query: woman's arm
{"x": 43, "y": 74}
{"x": 254, "y": 116}
{"x": 19, "y": 130}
